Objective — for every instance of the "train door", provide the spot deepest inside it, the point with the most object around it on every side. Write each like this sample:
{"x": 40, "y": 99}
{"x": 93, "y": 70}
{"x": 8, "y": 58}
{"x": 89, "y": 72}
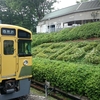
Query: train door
{"x": 8, "y": 57}
{"x": 0, "y": 55}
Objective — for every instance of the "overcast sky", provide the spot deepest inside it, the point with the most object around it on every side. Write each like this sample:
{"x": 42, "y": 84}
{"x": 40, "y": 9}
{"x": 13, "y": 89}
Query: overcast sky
{"x": 64, "y": 3}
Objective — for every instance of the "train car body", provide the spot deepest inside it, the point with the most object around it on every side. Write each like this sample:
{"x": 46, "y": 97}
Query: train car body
{"x": 15, "y": 61}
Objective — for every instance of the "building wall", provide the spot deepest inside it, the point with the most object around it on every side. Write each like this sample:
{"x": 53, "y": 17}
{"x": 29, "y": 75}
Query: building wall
{"x": 68, "y": 20}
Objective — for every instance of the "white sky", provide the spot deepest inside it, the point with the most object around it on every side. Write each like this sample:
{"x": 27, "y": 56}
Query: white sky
{"x": 64, "y": 3}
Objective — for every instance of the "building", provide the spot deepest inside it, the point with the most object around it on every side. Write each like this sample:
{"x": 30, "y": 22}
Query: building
{"x": 75, "y": 15}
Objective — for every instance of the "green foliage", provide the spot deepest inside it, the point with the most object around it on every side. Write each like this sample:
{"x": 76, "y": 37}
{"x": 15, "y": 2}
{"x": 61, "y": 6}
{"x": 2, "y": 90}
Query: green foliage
{"x": 93, "y": 56}
{"x": 78, "y": 68}
{"x": 90, "y": 30}
{"x": 47, "y": 38}
{"x": 90, "y": 46}
{"x": 42, "y": 55}
{"x": 83, "y": 51}
{"x": 81, "y": 79}
{"x": 25, "y": 13}
{"x": 76, "y": 54}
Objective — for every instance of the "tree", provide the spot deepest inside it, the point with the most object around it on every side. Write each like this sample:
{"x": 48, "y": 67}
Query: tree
{"x": 26, "y": 13}
{"x": 43, "y": 7}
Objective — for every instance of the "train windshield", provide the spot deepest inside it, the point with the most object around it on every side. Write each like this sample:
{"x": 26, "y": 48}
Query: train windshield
{"x": 24, "y": 48}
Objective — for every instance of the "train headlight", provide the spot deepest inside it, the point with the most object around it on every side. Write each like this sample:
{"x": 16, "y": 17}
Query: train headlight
{"x": 25, "y": 62}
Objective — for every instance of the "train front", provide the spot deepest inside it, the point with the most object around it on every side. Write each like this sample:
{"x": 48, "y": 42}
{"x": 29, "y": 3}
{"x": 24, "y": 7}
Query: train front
{"x": 15, "y": 62}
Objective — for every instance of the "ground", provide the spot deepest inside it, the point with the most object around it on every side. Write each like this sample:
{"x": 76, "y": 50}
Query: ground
{"x": 36, "y": 97}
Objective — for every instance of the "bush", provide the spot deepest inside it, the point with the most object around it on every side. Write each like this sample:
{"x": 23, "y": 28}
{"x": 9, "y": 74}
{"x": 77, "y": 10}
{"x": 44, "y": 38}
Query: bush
{"x": 93, "y": 56}
{"x": 41, "y": 55}
{"x": 90, "y": 30}
{"x": 81, "y": 79}
{"x": 83, "y": 51}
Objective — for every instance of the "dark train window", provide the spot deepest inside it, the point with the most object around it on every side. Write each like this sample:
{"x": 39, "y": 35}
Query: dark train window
{"x": 8, "y": 31}
{"x": 23, "y": 34}
{"x": 8, "y": 47}
{"x": 24, "y": 48}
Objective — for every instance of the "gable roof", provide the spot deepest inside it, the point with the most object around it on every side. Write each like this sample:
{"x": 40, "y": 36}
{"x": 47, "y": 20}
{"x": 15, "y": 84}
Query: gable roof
{"x": 85, "y": 6}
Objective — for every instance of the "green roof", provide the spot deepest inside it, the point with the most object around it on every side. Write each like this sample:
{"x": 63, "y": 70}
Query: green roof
{"x": 85, "y": 6}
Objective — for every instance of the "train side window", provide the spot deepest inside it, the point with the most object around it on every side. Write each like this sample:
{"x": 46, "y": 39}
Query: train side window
{"x": 24, "y": 48}
{"x": 8, "y": 47}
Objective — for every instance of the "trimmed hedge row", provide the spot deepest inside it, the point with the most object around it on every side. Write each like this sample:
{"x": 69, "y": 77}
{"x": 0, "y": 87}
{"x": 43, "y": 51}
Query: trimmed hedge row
{"x": 76, "y": 78}
{"x": 90, "y": 30}
{"x": 83, "y": 51}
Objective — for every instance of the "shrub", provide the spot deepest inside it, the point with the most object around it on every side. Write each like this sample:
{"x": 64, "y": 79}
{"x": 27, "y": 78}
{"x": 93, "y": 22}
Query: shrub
{"x": 83, "y": 51}
{"x": 90, "y": 30}
{"x": 81, "y": 79}
{"x": 77, "y": 54}
{"x": 93, "y": 56}
{"x": 41, "y": 55}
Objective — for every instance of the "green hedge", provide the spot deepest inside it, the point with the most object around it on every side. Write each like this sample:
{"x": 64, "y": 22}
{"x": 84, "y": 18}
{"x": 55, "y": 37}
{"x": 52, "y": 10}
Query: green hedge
{"x": 80, "y": 74}
{"x": 76, "y": 78}
{"x": 82, "y": 51}
{"x": 90, "y": 30}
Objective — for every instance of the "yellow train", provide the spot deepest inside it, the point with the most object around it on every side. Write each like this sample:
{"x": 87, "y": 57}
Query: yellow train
{"x": 15, "y": 61}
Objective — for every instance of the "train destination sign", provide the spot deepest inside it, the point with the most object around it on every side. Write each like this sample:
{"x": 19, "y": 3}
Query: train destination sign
{"x": 8, "y": 31}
